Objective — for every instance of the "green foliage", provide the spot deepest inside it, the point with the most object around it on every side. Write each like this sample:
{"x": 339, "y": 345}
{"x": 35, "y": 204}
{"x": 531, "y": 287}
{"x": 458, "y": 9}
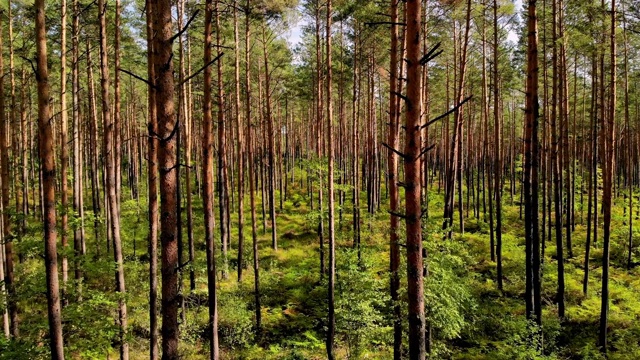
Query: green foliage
{"x": 359, "y": 302}
{"x": 236, "y": 320}
{"x": 448, "y": 296}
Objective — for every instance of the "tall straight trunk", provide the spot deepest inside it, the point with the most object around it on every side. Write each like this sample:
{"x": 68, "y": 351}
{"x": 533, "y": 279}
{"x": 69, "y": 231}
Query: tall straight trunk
{"x": 240, "y": 143}
{"x": 413, "y": 206}
{"x": 270, "y": 140}
{"x": 26, "y": 150}
{"x": 556, "y": 164}
{"x": 318, "y": 123}
{"x": 355, "y": 169}
{"x": 181, "y": 119}
{"x": 332, "y": 234}
{"x": 608, "y": 143}
{"x": 189, "y": 136}
{"x": 627, "y": 121}
{"x": 17, "y": 131}
{"x": 117, "y": 123}
{"x": 485, "y": 150}
{"x": 167, "y": 163}
{"x": 48, "y": 171}
{"x": 564, "y": 127}
{"x": 531, "y": 170}
{"x": 152, "y": 171}
{"x": 7, "y": 235}
{"x": 207, "y": 183}
{"x": 497, "y": 146}
{"x": 94, "y": 149}
{"x": 455, "y": 156}
{"x": 223, "y": 190}
{"x": 64, "y": 151}
{"x": 111, "y": 182}
{"x": 392, "y": 163}
{"x": 251, "y": 161}
{"x": 78, "y": 204}
{"x": 593, "y": 177}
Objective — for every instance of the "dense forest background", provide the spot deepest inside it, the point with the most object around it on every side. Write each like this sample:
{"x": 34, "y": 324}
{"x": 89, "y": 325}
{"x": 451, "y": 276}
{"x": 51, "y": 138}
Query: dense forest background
{"x": 412, "y": 179}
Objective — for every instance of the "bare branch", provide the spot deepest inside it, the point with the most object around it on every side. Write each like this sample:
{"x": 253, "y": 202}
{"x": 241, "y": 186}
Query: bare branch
{"x": 393, "y": 213}
{"x": 200, "y": 70}
{"x": 431, "y": 54}
{"x": 195, "y": 13}
{"x": 137, "y": 77}
{"x": 430, "y": 122}
{"x": 395, "y": 151}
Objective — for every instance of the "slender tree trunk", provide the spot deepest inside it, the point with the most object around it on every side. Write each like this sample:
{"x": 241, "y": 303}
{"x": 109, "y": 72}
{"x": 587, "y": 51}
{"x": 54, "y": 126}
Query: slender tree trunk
{"x": 47, "y": 153}
{"x": 413, "y": 206}
{"x": 78, "y": 205}
{"x": 627, "y": 121}
{"x": 94, "y": 149}
{"x": 152, "y": 171}
{"x": 270, "y": 140}
{"x": 167, "y": 162}
{"x": 593, "y": 187}
{"x": 392, "y": 163}
{"x": 332, "y": 235}
{"x": 608, "y": 143}
{"x": 64, "y": 151}
{"x": 223, "y": 190}
{"x": 251, "y": 161}
{"x": 497, "y": 146}
{"x": 189, "y": 136}
{"x": 240, "y": 144}
{"x": 207, "y": 182}
{"x": 111, "y": 183}
{"x": 531, "y": 171}
{"x": 456, "y": 155}
{"x": 318, "y": 123}
{"x": 7, "y": 235}
{"x": 557, "y": 167}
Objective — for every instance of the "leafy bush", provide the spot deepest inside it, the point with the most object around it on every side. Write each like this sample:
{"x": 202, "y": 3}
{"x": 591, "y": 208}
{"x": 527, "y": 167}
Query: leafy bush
{"x": 449, "y": 301}
{"x": 236, "y": 321}
{"x": 360, "y": 298}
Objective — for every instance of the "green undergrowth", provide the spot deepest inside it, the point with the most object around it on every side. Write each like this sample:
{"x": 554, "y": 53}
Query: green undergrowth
{"x": 468, "y": 317}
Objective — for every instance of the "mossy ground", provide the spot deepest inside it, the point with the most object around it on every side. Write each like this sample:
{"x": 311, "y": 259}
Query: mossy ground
{"x": 470, "y": 317}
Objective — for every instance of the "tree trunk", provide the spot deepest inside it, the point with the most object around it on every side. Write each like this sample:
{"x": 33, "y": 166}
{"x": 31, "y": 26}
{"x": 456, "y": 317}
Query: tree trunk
{"x": 117, "y": 126}
{"x": 497, "y": 146}
{"x": 167, "y": 126}
{"x": 240, "y": 144}
{"x": 531, "y": 171}
{"x": 271, "y": 141}
{"x": 332, "y": 235}
{"x": 223, "y": 190}
{"x": 152, "y": 171}
{"x": 608, "y": 143}
{"x": 7, "y": 235}
{"x": 413, "y": 206}
{"x": 78, "y": 203}
{"x": 64, "y": 151}
{"x": 207, "y": 183}
{"x": 556, "y": 163}
{"x": 48, "y": 172}
{"x": 111, "y": 183}
{"x": 94, "y": 149}
{"x": 392, "y": 163}
{"x": 251, "y": 161}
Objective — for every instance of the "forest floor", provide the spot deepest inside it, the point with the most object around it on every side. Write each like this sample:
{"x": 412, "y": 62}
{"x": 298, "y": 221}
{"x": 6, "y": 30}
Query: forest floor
{"x": 470, "y": 318}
